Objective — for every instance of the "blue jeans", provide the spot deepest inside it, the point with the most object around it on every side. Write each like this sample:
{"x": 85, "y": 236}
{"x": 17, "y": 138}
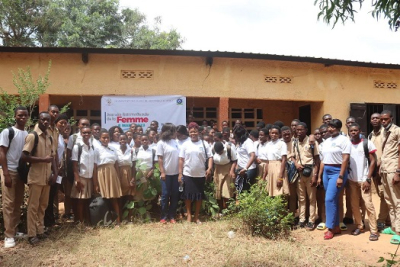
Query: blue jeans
{"x": 169, "y": 196}
{"x": 332, "y": 192}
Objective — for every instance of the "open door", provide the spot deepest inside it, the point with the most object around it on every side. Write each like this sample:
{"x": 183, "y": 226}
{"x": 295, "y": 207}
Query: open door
{"x": 359, "y": 112}
{"x": 305, "y": 116}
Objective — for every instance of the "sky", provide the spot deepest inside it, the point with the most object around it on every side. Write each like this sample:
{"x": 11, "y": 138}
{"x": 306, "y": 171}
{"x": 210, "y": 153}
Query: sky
{"x": 282, "y": 27}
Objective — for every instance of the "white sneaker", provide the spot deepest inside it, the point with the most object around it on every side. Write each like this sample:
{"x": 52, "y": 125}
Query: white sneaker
{"x": 20, "y": 235}
{"x": 9, "y": 242}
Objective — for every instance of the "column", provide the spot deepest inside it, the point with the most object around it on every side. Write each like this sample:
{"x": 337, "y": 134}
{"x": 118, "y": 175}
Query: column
{"x": 44, "y": 102}
{"x": 223, "y": 110}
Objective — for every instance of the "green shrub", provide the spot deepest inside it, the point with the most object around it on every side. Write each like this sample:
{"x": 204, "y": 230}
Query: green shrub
{"x": 261, "y": 214}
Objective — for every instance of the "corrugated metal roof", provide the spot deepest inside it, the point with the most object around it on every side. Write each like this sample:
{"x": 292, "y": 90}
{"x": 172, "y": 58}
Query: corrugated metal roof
{"x": 194, "y": 53}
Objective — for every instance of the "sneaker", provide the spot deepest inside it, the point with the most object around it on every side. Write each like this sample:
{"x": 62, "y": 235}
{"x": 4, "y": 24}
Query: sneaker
{"x": 163, "y": 221}
{"x": 33, "y": 240}
{"x": 172, "y": 221}
{"x": 343, "y": 227}
{"x": 310, "y": 226}
{"x": 9, "y": 242}
{"x": 42, "y": 236}
{"x": 19, "y": 235}
{"x": 381, "y": 226}
{"x": 302, "y": 224}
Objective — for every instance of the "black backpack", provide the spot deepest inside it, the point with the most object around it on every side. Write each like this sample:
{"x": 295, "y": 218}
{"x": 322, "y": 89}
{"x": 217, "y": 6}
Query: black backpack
{"x": 24, "y": 167}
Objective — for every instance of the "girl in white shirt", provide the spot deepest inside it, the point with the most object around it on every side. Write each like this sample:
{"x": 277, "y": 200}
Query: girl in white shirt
{"x": 168, "y": 159}
{"x": 114, "y": 133}
{"x": 143, "y": 162}
{"x": 262, "y": 160}
{"x": 192, "y": 161}
{"x": 246, "y": 159}
{"x": 182, "y": 135}
{"x": 108, "y": 182}
{"x": 278, "y": 183}
{"x": 85, "y": 168}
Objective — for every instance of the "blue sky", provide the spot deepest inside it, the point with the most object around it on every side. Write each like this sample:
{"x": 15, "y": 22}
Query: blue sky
{"x": 283, "y": 27}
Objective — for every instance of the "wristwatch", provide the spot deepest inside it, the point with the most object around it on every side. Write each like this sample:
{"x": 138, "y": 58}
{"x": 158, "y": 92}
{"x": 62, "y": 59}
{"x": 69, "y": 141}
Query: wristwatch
{"x": 368, "y": 180}
{"x": 341, "y": 176}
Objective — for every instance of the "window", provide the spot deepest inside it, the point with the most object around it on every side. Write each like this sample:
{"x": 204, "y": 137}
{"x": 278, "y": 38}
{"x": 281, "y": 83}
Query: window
{"x": 201, "y": 114}
{"x": 94, "y": 116}
{"x": 249, "y": 116}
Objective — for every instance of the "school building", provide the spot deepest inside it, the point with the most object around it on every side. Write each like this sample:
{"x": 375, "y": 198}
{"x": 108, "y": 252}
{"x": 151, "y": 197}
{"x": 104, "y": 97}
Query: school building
{"x": 218, "y": 85}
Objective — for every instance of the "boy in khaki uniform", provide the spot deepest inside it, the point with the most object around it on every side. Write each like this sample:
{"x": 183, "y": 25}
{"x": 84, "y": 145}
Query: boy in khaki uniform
{"x": 389, "y": 171}
{"x": 287, "y": 138}
{"x": 306, "y": 156}
{"x": 43, "y": 172}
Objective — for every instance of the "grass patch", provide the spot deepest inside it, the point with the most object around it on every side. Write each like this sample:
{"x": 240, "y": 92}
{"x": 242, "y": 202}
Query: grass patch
{"x": 153, "y": 244}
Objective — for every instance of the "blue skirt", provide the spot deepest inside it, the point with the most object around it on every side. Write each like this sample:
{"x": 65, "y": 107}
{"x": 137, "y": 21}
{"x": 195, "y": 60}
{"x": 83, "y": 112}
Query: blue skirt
{"x": 193, "y": 188}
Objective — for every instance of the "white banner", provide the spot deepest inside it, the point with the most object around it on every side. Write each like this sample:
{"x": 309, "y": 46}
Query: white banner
{"x": 142, "y": 110}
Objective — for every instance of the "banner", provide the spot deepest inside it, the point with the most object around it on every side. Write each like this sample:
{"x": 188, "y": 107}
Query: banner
{"x": 142, "y": 110}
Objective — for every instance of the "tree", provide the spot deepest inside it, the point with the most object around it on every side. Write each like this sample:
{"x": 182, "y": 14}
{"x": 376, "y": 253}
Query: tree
{"x": 80, "y": 23}
{"x": 334, "y": 10}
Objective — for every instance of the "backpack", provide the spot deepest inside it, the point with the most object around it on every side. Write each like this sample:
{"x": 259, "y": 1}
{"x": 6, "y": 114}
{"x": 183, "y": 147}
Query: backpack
{"x": 24, "y": 167}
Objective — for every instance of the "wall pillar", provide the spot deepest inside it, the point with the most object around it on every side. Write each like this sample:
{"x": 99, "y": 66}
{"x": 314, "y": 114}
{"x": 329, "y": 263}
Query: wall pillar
{"x": 44, "y": 102}
{"x": 223, "y": 110}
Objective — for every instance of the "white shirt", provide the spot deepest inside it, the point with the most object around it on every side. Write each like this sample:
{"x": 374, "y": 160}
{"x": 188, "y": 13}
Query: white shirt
{"x": 256, "y": 144}
{"x": 96, "y": 143}
{"x": 276, "y": 149}
{"x": 71, "y": 140}
{"x": 124, "y": 159}
{"x": 87, "y": 160}
{"x": 15, "y": 150}
{"x": 60, "y": 148}
{"x": 181, "y": 142}
{"x": 105, "y": 155}
{"x": 145, "y": 157}
{"x": 333, "y": 149}
{"x": 114, "y": 145}
{"x": 358, "y": 162}
{"x": 243, "y": 153}
{"x": 170, "y": 152}
{"x": 262, "y": 151}
{"x": 223, "y": 159}
{"x": 195, "y": 158}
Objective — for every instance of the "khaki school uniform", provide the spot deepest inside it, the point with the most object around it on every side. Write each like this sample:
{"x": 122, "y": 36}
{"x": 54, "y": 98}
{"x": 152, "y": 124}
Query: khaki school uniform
{"x": 292, "y": 202}
{"x": 377, "y": 139}
{"x": 109, "y": 183}
{"x": 38, "y": 179}
{"x": 389, "y": 165}
{"x": 304, "y": 188}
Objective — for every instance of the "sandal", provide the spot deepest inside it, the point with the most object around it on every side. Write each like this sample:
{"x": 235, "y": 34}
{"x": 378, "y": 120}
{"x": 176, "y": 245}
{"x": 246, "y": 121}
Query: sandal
{"x": 321, "y": 226}
{"x": 343, "y": 227}
{"x": 357, "y": 231}
{"x": 373, "y": 237}
{"x": 388, "y": 231}
{"x": 395, "y": 240}
{"x": 328, "y": 235}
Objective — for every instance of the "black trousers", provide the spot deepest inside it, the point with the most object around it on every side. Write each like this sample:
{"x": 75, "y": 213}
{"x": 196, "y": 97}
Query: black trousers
{"x": 49, "y": 219}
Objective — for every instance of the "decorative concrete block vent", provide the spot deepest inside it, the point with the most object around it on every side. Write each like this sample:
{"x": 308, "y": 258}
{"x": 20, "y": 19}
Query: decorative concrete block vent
{"x": 383, "y": 84}
{"x": 137, "y": 74}
{"x": 278, "y": 79}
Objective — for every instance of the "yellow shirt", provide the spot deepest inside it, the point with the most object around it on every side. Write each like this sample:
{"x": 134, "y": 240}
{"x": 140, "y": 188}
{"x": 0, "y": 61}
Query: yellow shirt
{"x": 306, "y": 155}
{"x": 39, "y": 173}
{"x": 377, "y": 139}
{"x": 390, "y": 155}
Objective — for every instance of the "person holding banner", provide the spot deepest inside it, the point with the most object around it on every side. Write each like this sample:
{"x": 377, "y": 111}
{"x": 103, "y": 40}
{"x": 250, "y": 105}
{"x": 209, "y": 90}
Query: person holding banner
{"x": 168, "y": 158}
{"x": 195, "y": 164}
{"x": 107, "y": 182}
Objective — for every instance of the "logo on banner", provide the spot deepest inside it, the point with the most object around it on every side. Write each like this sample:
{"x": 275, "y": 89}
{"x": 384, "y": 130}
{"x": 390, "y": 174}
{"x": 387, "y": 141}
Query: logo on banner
{"x": 179, "y": 101}
{"x": 109, "y": 101}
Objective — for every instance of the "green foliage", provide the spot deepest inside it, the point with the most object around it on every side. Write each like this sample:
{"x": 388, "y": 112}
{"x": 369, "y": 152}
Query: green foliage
{"x": 343, "y": 10}
{"x": 80, "y": 23}
{"x": 28, "y": 95}
{"x": 139, "y": 210}
{"x": 392, "y": 261}
{"x": 261, "y": 214}
{"x": 209, "y": 205}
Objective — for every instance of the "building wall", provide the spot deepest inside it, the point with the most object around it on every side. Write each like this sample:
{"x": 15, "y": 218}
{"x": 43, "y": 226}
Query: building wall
{"x": 329, "y": 89}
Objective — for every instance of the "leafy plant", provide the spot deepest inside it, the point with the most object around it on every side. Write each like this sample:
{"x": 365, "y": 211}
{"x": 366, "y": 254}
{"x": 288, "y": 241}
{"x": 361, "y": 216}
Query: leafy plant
{"x": 140, "y": 210}
{"x": 261, "y": 214}
{"x": 392, "y": 261}
{"x": 210, "y": 205}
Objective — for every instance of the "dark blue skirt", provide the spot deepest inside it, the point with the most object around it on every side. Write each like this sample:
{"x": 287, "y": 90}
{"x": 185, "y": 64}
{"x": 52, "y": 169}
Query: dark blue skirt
{"x": 193, "y": 188}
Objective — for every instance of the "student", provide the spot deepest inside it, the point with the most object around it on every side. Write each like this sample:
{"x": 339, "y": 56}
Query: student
{"x": 49, "y": 217}
{"x": 225, "y": 161}
{"x": 335, "y": 157}
{"x": 287, "y": 137}
{"x": 152, "y": 139}
{"x": 85, "y": 170}
{"x": 293, "y": 126}
{"x": 129, "y": 136}
{"x": 278, "y": 183}
{"x": 182, "y": 135}
{"x": 139, "y": 129}
{"x": 114, "y": 132}
{"x": 107, "y": 182}
{"x": 226, "y": 132}
{"x": 136, "y": 143}
{"x": 132, "y": 127}
{"x": 376, "y": 137}
{"x": 95, "y": 135}
{"x": 126, "y": 174}
{"x": 360, "y": 180}
{"x": 12, "y": 186}
{"x": 146, "y": 157}
{"x": 306, "y": 156}
{"x": 66, "y": 183}
{"x": 168, "y": 159}
{"x": 262, "y": 161}
{"x": 390, "y": 172}
{"x": 320, "y": 187}
{"x": 246, "y": 168}
{"x": 42, "y": 173}
{"x": 192, "y": 161}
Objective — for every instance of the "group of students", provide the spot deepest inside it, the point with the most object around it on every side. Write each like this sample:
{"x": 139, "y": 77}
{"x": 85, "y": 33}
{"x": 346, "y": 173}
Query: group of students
{"x": 311, "y": 172}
